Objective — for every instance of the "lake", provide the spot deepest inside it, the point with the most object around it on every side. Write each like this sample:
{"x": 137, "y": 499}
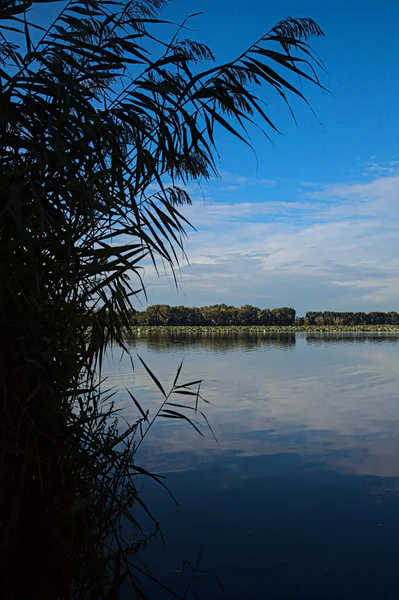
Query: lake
{"x": 300, "y": 496}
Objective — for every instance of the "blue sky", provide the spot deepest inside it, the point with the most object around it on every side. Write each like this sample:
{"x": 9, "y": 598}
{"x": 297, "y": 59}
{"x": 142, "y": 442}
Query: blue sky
{"x": 312, "y": 221}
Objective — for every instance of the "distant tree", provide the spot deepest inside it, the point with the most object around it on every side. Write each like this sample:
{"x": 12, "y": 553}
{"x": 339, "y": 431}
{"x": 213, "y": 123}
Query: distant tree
{"x": 265, "y": 317}
{"x": 393, "y": 318}
{"x": 248, "y": 315}
{"x": 284, "y": 316}
{"x": 216, "y": 315}
{"x": 377, "y": 318}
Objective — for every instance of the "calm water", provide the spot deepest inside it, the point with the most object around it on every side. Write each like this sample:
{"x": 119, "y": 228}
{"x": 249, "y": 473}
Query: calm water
{"x": 300, "y": 497}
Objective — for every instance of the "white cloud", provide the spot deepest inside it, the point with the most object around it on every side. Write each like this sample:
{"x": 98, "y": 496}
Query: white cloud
{"x": 372, "y": 167}
{"x": 238, "y": 179}
{"x": 231, "y": 182}
{"x": 335, "y": 248}
{"x": 230, "y": 188}
{"x": 374, "y": 198}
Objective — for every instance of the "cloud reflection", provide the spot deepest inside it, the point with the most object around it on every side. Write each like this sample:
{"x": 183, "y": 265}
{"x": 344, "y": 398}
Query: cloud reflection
{"x": 331, "y": 398}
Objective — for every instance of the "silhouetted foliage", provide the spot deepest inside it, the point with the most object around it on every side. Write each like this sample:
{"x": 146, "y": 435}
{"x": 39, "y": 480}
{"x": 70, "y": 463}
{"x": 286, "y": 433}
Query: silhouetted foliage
{"x": 102, "y": 123}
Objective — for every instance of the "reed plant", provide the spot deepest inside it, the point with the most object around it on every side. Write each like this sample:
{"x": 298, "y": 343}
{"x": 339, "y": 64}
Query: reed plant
{"x": 107, "y": 113}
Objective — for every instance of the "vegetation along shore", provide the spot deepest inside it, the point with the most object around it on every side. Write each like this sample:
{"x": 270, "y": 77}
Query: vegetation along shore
{"x": 262, "y": 329}
{"x": 223, "y": 318}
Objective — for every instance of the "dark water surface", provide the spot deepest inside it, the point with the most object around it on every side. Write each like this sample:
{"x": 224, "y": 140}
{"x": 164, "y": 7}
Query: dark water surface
{"x": 300, "y": 498}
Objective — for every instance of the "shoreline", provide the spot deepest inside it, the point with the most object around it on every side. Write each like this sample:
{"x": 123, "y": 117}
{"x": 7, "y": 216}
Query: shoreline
{"x": 148, "y": 329}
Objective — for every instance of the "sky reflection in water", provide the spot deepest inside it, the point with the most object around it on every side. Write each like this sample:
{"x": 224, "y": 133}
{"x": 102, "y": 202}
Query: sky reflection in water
{"x": 335, "y": 397}
{"x": 300, "y": 497}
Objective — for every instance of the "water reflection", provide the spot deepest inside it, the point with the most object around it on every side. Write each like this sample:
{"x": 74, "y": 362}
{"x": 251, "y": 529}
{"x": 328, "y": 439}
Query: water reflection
{"x": 382, "y": 338}
{"x": 332, "y": 396}
{"x": 222, "y": 342}
{"x": 213, "y": 341}
{"x": 284, "y": 529}
{"x": 303, "y": 487}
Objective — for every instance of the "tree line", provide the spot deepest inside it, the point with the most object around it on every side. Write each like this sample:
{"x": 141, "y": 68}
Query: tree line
{"x": 217, "y": 315}
{"x": 350, "y": 318}
{"x": 224, "y": 315}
